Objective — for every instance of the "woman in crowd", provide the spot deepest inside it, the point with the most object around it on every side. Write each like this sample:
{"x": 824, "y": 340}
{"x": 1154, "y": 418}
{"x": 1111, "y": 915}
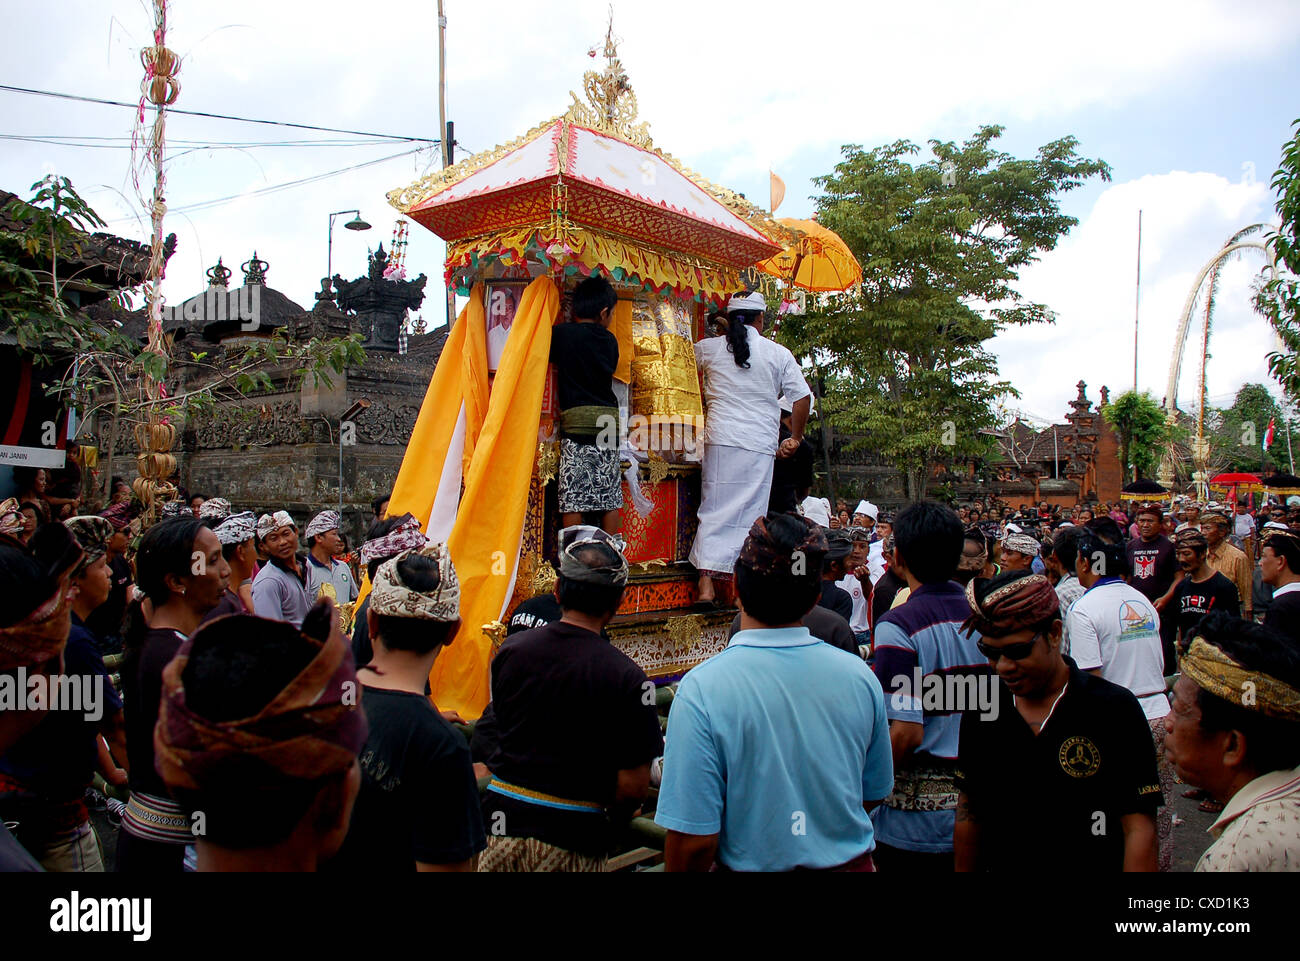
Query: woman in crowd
{"x": 183, "y": 575}
{"x": 32, "y": 482}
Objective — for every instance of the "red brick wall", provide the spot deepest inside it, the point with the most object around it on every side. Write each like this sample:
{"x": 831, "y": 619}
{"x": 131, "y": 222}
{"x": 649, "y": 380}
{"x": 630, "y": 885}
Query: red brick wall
{"x": 1110, "y": 472}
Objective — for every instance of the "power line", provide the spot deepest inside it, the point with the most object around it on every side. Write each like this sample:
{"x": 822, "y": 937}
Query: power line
{"x": 102, "y": 143}
{"x": 214, "y": 116}
{"x": 274, "y": 188}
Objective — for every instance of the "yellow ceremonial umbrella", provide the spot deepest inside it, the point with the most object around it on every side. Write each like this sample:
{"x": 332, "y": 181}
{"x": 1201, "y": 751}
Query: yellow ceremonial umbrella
{"x": 817, "y": 259}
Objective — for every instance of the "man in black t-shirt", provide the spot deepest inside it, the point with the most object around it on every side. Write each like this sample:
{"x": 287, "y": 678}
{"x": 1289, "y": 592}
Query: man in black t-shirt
{"x": 1155, "y": 570}
{"x": 833, "y": 597}
{"x": 557, "y": 794}
{"x": 1061, "y": 775}
{"x": 1203, "y": 589}
{"x": 418, "y": 809}
{"x": 585, "y": 355}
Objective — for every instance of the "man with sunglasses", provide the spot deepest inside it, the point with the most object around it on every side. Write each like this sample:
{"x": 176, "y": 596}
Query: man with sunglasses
{"x": 1065, "y": 772}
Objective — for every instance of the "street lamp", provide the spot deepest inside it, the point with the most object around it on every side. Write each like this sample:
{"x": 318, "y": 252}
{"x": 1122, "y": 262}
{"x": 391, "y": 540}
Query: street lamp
{"x": 348, "y": 414}
{"x": 356, "y": 223}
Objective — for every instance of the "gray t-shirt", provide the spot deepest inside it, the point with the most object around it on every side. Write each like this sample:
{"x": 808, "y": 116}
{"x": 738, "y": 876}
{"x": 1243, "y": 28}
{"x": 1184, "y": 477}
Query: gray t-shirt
{"x": 280, "y": 596}
{"x": 338, "y": 574}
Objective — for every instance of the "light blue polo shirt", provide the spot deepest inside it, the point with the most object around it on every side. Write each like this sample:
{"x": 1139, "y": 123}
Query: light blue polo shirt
{"x": 774, "y": 744}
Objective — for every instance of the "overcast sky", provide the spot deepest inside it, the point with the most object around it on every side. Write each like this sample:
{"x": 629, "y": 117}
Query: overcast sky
{"x": 1189, "y": 102}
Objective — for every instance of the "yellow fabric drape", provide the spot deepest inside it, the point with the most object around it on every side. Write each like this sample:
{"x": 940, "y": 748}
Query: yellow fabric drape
{"x": 426, "y": 451}
{"x": 621, "y": 328}
{"x": 484, "y": 544}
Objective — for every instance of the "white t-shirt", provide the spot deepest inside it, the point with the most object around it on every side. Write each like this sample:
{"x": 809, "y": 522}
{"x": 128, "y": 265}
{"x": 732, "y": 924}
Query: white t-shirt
{"x": 850, "y": 583}
{"x": 742, "y": 402}
{"x": 1115, "y": 628}
{"x": 1243, "y": 525}
{"x": 876, "y": 561}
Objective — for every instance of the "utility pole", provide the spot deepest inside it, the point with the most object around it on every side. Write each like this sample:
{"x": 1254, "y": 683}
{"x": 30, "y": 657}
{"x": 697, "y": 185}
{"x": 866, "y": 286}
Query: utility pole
{"x": 1137, "y": 299}
{"x": 447, "y": 145}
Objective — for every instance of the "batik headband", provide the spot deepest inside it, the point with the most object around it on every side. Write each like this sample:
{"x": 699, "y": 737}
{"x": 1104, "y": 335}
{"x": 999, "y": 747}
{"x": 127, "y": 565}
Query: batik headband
{"x": 391, "y": 596}
{"x": 405, "y": 537}
{"x": 322, "y": 523}
{"x": 1020, "y": 603}
{"x": 762, "y": 556}
{"x": 236, "y": 528}
{"x": 1214, "y": 671}
{"x": 573, "y": 569}
{"x": 92, "y": 533}
{"x": 1021, "y": 544}
{"x": 313, "y": 729}
{"x": 11, "y": 517}
{"x": 214, "y": 509}
{"x": 268, "y": 524}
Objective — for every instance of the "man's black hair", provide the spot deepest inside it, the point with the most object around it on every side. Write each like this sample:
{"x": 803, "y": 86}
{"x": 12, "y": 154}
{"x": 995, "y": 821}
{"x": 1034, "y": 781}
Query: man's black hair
{"x": 929, "y": 536}
{"x": 1272, "y": 744}
{"x": 1101, "y": 542}
{"x": 592, "y": 296}
{"x": 380, "y": 529}
{"x": 378, "y": 502}
{"x": 1065, "y": 545}
{"x": 1288, "y": 549}
{"x": 419, "y": 573}
{"x": 595, "y": 600}
{"x": 234, "y": 670}
{"x": 786, "y": 595}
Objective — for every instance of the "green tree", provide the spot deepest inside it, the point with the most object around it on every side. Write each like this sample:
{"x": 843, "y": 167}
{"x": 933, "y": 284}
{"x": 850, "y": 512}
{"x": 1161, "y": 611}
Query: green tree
{"x": 1140, "y": 423}
{"x": 941, "y": 244}
{"x": 1237, "y": 432}
{"x": 1279, "y": 298}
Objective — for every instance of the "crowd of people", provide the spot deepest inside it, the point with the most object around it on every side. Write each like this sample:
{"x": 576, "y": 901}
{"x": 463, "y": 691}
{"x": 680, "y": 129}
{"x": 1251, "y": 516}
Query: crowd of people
{"x": 941, "y": 689}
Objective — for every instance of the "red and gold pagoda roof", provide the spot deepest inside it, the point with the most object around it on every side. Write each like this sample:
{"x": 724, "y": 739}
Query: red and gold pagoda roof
{"x": 592, "y": 182}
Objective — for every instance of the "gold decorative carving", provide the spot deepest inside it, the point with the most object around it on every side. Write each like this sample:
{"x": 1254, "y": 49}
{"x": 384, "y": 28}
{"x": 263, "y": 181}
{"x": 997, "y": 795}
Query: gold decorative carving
{"x": 685, "y": 632}
{"x": 548, "y": 461}
{"x": 495, "y": 632}
{"x": 658, "y": 468}
{"x": 611, "y": 104}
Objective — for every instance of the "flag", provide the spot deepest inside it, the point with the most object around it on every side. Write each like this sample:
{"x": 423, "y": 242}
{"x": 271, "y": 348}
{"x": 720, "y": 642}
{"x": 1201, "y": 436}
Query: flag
{"x": 778, "y": 190}
{"x": 1268, "y": 435}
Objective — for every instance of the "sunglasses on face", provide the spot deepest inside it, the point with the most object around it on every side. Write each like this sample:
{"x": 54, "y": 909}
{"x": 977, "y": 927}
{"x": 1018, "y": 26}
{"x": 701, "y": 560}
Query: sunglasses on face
{"x": 1012, "y": 652}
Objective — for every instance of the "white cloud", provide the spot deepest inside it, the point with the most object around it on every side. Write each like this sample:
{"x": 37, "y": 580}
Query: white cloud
{"x": 1089, "y": 282}
{"x": 729, "y": 88}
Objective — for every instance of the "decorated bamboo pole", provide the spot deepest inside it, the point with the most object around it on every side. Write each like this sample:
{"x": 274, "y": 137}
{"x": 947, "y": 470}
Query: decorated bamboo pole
{"x": 154, "y": 435}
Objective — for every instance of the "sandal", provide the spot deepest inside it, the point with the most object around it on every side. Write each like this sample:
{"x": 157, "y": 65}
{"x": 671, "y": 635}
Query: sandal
{"x": 1210, "y": 806}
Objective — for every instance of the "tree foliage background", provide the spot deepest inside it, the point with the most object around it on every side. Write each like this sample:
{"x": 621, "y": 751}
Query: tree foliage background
{"x": 1279, "y": 299}
{"x": 1139, "y": 420}
{"x": 941, "y": 243}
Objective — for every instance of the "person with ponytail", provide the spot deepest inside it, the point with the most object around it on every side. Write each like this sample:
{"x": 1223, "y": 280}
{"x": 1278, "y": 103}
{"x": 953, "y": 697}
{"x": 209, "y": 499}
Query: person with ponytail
{"x": 744, "y": 375}
{"x": 183, "y": 575}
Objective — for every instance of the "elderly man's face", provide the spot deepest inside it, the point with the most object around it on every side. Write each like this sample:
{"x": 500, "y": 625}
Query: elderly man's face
{"x": 1188, "y": 559}
{"x": 1196, "y": 755}
{"x": 1148, "y": 526}
{"x": 862, "y": 520}
{"x": 1215, "y": 531}
{"x": 884, "y": 529}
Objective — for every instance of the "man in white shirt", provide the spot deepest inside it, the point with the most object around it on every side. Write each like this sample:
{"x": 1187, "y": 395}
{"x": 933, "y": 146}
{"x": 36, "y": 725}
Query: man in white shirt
{"x": 1115, "y": 633}
{"x": 1243, "y": 529}
{"x": 744, "y": 374}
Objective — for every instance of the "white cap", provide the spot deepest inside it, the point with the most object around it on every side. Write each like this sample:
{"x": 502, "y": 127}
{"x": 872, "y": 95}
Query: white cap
{"x": 868, "y": 508}
{"x": 754, "y": 301}
{"x": 817, "y": 510}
